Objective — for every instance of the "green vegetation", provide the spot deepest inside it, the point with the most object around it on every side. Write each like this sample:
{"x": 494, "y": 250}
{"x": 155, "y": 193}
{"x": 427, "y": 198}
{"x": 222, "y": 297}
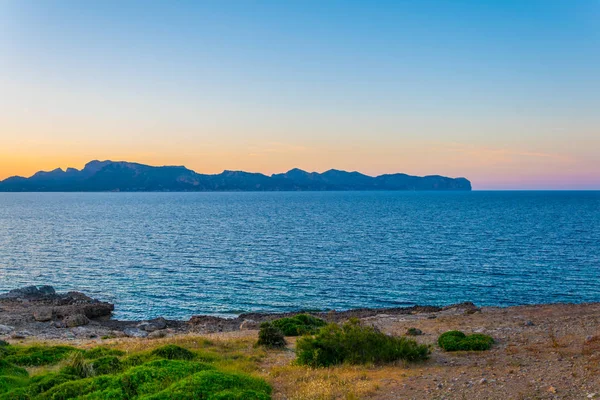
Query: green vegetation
{"x": 270, "y": 336}
{"x": 353, "y": 343}
{"x": 167, "y": 372}
{"x": 298, "y": 325}
{"x": 458, "y": 341}
{"x": 413, "y": 332}
{"x": 35, "y": 356}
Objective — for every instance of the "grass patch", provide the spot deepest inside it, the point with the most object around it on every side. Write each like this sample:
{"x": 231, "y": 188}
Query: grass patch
{"x": 170, "y": 371}
{"x": 298, "y": 325}
{"x": 458, "y": 341}
{"x": 353, "y": 343}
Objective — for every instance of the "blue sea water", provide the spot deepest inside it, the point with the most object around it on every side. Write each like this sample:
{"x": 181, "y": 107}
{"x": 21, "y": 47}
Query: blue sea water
{"x": 180, "y": 254}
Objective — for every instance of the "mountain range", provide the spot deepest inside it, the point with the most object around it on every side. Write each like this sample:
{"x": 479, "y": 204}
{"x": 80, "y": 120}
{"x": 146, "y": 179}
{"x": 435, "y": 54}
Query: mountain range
{"x": 104, "y": 176}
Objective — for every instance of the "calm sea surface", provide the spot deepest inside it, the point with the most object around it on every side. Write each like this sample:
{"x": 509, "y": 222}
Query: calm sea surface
{"x": 179, "y": 254}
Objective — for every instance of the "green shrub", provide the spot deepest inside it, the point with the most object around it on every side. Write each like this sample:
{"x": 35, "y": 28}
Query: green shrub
{"x": 458, "y": 341}
{"x": 107, "y": 365}
{"x": 4, "y": 343}
{"x": 43, "y": 383}
{"x": 99, "y": 374}
{"x": 8, "y": 383}
{"x": 215, "y": 385}
{"x": 270, "y": 336}
{"x": 82, "y": 387}
{"x": 8, "y": 369}
{"x": 413, "y": 332}
{"x": 298, "y": 325}
{"x": 98, "y": 352}
{"x": 157, "y": 375}
{"x": 35, "y": 356}
{"x": 173, "y": 352}
{"x": 354, "y": 343}
{"x": 15, "y": 394}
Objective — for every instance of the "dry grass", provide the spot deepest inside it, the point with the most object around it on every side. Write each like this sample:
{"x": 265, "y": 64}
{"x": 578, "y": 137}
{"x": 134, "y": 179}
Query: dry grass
{"x": 303, "y": 383}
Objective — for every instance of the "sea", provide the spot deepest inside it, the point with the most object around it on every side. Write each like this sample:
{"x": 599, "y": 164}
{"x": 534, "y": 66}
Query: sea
{"x": 183, "y": 254}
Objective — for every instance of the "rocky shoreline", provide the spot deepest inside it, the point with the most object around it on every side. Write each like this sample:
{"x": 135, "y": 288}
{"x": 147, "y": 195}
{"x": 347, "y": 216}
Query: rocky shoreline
{"x": 42, "y": 313}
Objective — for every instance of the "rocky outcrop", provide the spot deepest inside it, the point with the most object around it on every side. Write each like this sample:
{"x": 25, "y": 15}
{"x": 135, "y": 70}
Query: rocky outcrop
{"x": 41, "y": 304}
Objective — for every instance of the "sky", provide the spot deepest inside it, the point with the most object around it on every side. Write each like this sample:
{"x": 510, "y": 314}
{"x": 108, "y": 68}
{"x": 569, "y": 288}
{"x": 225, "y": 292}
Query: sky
{"x": 503, "y": 92}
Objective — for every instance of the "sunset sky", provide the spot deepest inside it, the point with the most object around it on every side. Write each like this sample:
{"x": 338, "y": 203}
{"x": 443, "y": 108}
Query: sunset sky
{"x": 505, "y": 93}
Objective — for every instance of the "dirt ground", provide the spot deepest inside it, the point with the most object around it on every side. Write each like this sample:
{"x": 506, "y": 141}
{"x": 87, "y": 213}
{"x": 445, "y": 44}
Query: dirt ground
{"x": 541, "y": 352}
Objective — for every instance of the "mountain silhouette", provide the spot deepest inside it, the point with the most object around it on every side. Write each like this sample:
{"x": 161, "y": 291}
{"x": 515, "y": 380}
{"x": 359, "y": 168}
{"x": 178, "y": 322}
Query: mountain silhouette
{"x": 103, "y": 176}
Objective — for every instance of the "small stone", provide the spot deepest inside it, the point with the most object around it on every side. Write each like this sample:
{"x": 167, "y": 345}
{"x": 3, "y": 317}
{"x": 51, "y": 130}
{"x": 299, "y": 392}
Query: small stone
{"x": 591, "y": 395}
{"x": 76, "y": 320}
{"x": 135, "y": 332}
{"x": 482, "y": 381}
{"x": 529, "y": 323}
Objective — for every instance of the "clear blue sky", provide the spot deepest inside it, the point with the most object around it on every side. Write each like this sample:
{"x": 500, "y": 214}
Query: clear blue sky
{"x": 506, "y": 93}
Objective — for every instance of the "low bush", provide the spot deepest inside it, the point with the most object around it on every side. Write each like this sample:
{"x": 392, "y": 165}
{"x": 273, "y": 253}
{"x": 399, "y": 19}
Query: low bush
{"x": 298, "y": 325}
{"x": 98, "y": 352}
{"x": 107, "y": 365}
{"x": 35, "y": 356}
{"x": 8, "y": 369}
{"x": 43, "y": 383}
{"x": 9, "y": 383}
{"x": 215, "y": 385}
{"x": 168, "y": 372}
{"x": 173, "y": 352}
{"x": 413, "y": 332}
{"x": 458, "y": 341}
{"x": 354, "y": 343}
{"x": 270, "y": 336}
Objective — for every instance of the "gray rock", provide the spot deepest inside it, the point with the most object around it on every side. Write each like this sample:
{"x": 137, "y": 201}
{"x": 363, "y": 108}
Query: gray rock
{"x": 5, "y": 329}
{"x": 43, "y": 314}
{"x": 21, "y": 334}
{"x": 153, "y": 324}
{"x": 59, "y": 324}
{"x": 135, "y": 332}
{"x": 29, "y": 292}
{"x": 157, "y": 334}
{"x": 76, "y": 320}
{"x": 248, "y": 324}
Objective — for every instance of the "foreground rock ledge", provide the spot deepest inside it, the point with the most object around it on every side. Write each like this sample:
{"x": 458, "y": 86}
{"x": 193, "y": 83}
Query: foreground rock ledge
{"x": 42, "y": 313}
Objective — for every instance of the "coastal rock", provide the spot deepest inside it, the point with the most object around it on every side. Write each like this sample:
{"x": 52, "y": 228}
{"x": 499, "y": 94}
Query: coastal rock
{"x": 153, "y": 324}
{"x": 29, "y": 293}
{"x": 42, "y": 314}
{"x": 157, "y": 334}
{"x": 135, "y": 333}
{"x": 248, "y": 324}
{"x": 6, "y": 329}
{"x": 76, "y": 320}
{"x": 21, "y": 335}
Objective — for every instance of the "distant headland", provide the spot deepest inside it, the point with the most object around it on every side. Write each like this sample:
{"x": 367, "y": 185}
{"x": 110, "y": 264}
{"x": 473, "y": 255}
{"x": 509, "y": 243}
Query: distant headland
{"x": 121, "y": 176}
